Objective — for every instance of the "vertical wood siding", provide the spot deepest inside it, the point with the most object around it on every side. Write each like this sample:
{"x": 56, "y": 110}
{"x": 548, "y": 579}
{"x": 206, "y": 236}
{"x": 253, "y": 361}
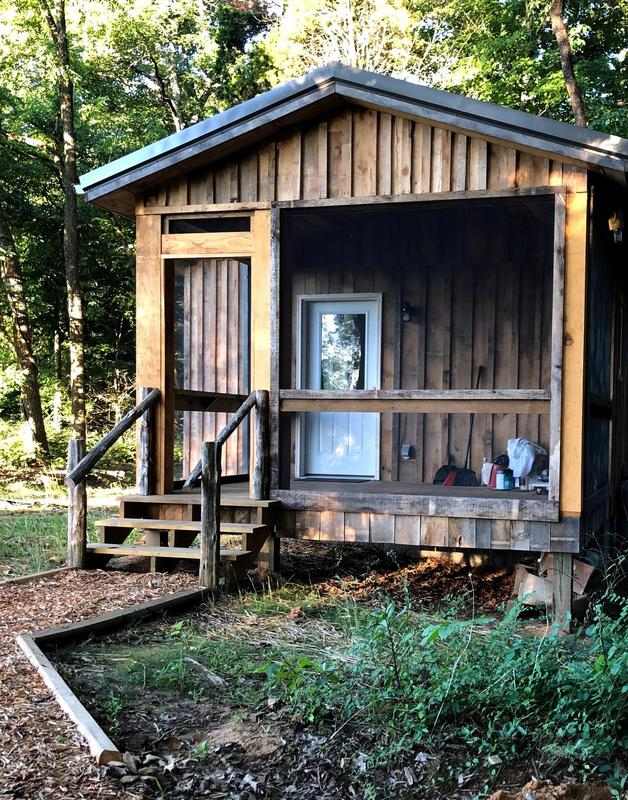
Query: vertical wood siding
{"x": 455, "y": 329}
{"x": 212, "y": 351}
{"x": 360, "y": 153}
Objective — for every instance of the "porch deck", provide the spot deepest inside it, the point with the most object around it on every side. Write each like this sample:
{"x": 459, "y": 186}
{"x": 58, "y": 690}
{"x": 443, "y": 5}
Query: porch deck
{"x": 398, "y": 487}
{"x": 231, "y": 492}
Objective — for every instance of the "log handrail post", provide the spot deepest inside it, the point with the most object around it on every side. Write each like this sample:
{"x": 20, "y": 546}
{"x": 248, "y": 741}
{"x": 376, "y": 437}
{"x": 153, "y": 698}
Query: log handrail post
{"x": 260, "y": 485}
{"x": 211, "y": 454}
{"x": 77, "y": 509}
{"x": 145, "y": 453}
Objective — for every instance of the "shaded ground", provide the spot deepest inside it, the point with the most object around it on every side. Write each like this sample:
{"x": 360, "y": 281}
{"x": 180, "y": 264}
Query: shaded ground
{"x": 188, "y": 699}
{"x": 40, "y": 752}
{"x": 368, "y": 573}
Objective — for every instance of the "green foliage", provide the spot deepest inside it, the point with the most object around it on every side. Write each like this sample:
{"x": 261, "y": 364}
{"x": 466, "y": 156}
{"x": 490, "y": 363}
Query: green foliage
{"x": 140, "y": 70}
{"x": 36, "y": 541}
{"x": 478, "y": 684}
{"x": 113, "y": 707}
{"x": 504, "y": 51}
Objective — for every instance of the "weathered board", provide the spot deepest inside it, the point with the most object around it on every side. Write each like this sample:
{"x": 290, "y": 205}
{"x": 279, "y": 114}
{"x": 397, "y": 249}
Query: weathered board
{"x": 359, "y": 153}
{"x": 211, "y": 353}
{"x": 456, "y": 533}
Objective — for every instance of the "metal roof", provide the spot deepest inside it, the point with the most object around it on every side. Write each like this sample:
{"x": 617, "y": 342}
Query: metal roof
{"x": 334, "y": 85}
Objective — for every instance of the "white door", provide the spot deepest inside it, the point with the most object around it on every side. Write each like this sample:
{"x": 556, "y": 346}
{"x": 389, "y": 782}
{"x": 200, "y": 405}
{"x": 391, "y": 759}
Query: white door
{"x": 340, "y": 351}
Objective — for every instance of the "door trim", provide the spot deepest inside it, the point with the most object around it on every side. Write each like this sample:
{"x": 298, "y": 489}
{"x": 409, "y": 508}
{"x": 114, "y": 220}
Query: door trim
{"x": 301, "y": 300}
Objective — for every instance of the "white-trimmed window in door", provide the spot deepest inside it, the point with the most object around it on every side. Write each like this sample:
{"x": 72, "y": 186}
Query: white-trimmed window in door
{"x": 339, "y": 350}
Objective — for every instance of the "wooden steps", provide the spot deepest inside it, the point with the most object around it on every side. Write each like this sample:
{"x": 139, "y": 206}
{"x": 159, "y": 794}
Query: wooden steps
{"x": 151, "y": 551}
{"x": 231, "y": 528}
{"x": 227, "y": 500}
{"x": 170, "y": 526}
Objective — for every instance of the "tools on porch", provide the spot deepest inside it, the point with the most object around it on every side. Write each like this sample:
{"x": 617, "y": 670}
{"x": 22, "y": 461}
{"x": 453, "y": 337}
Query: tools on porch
{"x": 450, "y": 474}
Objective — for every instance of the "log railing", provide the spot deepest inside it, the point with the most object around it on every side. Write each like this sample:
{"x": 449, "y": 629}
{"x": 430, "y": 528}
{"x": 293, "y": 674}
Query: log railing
{"x": 81, "y": 464}
{"x": 209, "y": 471}
{"x": 260, "y": 485}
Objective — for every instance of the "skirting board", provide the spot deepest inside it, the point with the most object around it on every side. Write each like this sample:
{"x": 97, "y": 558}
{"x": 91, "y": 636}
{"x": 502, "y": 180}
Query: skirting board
{"x": 431, "y": 531}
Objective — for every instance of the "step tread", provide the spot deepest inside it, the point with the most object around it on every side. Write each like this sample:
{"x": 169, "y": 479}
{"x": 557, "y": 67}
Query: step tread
{"x": 194, "y": 499}
{"x": 191, "y": 553}
{"x": 178, "y": 525}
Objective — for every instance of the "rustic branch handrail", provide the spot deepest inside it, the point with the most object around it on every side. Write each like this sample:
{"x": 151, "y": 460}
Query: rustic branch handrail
{"x": 209, "y": 469}
{"x": 88, "y": 462}
{"x": 224, "y": 434}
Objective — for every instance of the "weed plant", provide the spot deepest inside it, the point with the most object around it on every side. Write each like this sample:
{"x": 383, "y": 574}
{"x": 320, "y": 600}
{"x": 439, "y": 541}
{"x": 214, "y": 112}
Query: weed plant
{"x": 479, "y": 685}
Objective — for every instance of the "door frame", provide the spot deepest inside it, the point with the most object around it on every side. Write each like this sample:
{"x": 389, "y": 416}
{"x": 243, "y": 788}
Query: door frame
{"x": 347, "y": 297}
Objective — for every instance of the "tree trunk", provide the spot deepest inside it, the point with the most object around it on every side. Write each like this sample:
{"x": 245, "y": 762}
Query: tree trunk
{"x": 566, "y": 61}
{"x": 11, "y": 274}
{"x": 67, "y": 151}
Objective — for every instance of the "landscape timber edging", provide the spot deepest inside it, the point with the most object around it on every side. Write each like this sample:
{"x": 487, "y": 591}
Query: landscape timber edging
{"x": 33, "y": 576}
{"x": 101, "y": 748}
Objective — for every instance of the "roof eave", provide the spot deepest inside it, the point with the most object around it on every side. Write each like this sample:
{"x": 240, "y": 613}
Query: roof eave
{"x": 295, "y": 101}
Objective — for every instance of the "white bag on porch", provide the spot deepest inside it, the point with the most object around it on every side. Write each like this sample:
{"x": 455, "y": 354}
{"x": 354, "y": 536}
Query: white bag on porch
{"x": 522, "y": 454}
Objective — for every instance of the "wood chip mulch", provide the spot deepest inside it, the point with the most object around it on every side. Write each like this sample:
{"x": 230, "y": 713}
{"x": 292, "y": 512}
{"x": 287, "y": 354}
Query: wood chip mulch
{"x": 41, "y": 754}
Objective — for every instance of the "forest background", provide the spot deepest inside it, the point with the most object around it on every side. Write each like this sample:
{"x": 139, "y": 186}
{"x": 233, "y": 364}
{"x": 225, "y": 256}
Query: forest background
{"x": 83, "y": 82}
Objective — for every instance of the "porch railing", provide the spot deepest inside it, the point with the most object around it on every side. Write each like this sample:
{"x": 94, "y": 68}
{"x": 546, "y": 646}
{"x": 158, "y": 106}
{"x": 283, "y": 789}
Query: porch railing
{"x": 209, "y": 470}
{"x": 81, "y": 464}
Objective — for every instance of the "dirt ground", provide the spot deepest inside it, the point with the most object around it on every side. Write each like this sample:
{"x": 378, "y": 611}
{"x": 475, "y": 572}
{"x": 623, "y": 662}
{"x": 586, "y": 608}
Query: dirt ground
{"x": 188, "y": 749}
{"x": 41, "y": 755}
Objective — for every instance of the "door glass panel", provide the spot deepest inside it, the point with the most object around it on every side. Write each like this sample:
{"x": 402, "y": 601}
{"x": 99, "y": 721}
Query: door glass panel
{"x": 342, "y": 351}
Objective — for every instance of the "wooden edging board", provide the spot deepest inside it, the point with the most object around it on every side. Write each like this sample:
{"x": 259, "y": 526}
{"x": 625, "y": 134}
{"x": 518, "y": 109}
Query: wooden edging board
{"x": 33, "y": 576}
{"x": 102, "y": 749}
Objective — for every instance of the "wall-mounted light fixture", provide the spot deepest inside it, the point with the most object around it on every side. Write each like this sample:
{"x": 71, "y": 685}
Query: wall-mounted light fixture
{"x": 407, "y": 312}
{"x": 616, "y": 226}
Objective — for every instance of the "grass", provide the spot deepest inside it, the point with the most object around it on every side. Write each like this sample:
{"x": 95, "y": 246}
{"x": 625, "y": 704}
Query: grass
{"x": 472, "y": 696}
{"x": 36, "y": 541}
{"x": 33, "y": 527}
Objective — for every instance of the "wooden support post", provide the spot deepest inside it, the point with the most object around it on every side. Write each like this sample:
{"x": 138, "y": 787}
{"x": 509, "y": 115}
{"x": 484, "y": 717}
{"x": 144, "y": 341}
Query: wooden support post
{"x": 210, "y": 515}
{"x": 145, "y": 459}
{"x": 561, "y": 576}
{"x": 260, "y": 486}
{"x": 268, "y": 558}
{"x": 77, "y": 509}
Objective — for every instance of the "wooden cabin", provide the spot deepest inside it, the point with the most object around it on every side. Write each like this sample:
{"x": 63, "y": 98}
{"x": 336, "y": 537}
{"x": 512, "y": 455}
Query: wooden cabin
{"x": 389, "y": 262}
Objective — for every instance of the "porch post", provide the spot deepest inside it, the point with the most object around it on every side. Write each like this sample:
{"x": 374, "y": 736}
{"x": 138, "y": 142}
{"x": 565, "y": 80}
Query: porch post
{"x": 145, "y": 456}
{"x": 260, "y": 486}
{"x": 561, "y": 576}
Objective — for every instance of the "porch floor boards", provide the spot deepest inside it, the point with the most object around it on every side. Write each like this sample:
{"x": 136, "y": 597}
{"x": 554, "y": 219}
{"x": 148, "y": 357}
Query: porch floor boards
{"x": 397, "y": 487}
{"x": 232, "y": 493}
